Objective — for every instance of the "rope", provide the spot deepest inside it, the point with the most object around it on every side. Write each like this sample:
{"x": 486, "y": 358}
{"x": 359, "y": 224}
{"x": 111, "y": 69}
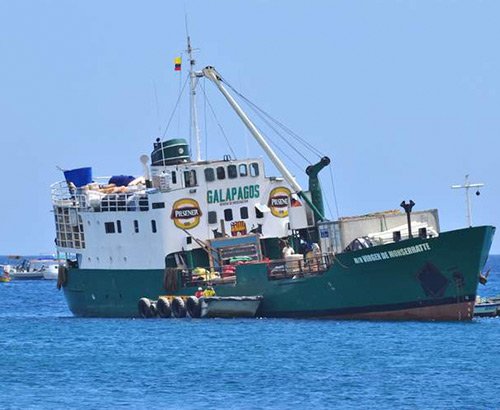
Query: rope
{"x": 334, "y": 193}
{"x": 329, "y": 209}
{"x": 180, "y": 92}
{"x": 279, "y": 134}
{"x": 219, "y": 124}
{"x": 175, "y": 108}
{"x": 280, "y": 124}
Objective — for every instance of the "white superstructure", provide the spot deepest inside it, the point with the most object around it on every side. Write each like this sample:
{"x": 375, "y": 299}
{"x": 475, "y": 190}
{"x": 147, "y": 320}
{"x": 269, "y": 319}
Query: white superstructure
{"x": 134, "y": 227}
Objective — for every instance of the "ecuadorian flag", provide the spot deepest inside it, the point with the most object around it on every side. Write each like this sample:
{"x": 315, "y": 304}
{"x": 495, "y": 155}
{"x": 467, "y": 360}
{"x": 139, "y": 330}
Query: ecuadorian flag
{"x": 177, "y": 62}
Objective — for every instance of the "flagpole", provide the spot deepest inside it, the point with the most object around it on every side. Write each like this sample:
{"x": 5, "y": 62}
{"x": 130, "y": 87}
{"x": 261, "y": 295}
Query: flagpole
{"x": 193, "y": 76}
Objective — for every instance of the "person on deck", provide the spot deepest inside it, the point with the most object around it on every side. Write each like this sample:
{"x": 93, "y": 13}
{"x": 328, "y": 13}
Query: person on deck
{"x": 199, "y": 293}
{"x": 287, "y": 251}
{"x": 208, "y": 292}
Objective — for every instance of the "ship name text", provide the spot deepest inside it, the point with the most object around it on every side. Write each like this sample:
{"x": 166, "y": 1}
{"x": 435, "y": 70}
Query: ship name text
{"x": 396, "y": 253}
{"x": 241, "y": 193}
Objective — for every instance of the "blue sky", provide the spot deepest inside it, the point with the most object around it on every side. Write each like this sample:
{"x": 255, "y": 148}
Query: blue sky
{"x": 402, "y": 95}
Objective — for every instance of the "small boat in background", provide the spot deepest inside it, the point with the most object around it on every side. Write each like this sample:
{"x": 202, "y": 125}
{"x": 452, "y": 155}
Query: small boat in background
{"x": 487, "y": 307}
{"x": 51, "y": 270}
{"x": 5, "y": 275}
{"x": 36, "y": 269}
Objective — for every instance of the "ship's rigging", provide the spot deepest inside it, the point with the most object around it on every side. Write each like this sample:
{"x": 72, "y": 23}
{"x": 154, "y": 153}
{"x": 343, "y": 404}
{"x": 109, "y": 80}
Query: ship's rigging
{"x": 277, "y": 134}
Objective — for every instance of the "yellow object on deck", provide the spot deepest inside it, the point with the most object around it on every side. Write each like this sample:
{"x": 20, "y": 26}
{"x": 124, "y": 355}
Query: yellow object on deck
{"x": 205, "y": 274}
{"x": 208, "y": 292}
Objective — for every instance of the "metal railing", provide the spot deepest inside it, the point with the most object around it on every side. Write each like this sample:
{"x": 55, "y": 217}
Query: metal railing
{"x": 294, "y": 269}
{"x": 101, "y": 198}
{"x": 226, "y": 274}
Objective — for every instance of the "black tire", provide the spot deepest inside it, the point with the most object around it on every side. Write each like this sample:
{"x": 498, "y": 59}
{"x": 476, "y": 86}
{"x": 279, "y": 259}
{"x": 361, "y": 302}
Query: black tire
{"x": 163, "y": 307}
{"x": 178, "y": 308}
{"x": 193, "y": 307}
{"x": 146, "y": 310}
{"x": 154, "y": 310}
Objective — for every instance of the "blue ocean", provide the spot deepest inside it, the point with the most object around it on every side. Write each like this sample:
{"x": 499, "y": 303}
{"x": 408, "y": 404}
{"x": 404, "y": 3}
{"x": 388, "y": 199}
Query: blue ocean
{"x": 50, "y": 359}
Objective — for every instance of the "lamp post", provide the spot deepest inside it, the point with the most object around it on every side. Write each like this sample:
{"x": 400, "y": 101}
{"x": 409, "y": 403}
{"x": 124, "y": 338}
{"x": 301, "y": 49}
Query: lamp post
{"x": 408, "y": 207}
{"x": 467, "y": 185}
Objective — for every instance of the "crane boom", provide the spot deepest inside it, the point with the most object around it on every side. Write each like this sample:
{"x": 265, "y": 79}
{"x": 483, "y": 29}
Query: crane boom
{"x": 213, "y": 75}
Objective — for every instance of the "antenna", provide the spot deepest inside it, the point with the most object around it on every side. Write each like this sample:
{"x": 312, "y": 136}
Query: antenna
{"x": 467, "y": 186}
{"x": 157, "y": 107}
{"x": 193, "y": 76}
{"x": 144, "y": 160}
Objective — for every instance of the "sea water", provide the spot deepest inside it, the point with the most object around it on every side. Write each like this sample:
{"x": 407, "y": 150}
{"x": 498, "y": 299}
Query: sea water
{"x": 49, "y": 359}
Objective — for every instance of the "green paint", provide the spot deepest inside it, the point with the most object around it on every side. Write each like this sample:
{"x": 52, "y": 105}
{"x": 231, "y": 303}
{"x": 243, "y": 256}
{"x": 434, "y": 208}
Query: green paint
{"x": 315, "y": 187}
{"x": 215, "y": 196}
{"x": 346, "y": 286}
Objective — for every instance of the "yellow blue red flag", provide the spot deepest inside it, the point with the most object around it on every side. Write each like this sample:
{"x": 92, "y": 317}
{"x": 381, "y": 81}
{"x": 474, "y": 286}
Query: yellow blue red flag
{"x": 177, "y": 62}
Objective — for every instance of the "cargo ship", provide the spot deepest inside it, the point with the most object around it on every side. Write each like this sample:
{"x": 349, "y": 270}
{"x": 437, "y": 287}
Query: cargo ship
{"x": 188, "y": 224}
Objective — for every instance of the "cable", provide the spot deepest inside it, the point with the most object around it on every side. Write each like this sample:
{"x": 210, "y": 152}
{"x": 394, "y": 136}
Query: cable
{"x": 257, "y": 112}
{"x": 334, "y": 193}
{"x": 280, "y": 124}
{"x": 175, "y": 107}
{"x": 219, "y": 124}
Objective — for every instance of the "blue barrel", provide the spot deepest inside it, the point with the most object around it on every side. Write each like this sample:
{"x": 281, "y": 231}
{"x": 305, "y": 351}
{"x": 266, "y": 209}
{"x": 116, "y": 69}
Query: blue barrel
{"x": 79, "y": 176}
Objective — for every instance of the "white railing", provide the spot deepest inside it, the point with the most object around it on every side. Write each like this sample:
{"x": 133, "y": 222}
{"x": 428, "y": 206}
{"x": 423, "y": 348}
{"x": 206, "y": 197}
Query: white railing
{"x": 100, "y": 197}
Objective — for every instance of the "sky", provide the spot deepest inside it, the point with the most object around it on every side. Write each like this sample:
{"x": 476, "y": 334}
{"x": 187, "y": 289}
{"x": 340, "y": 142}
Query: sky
{"x": 403, "y": 96}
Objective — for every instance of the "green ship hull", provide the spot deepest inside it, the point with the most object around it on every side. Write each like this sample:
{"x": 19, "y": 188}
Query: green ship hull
{"x": 415, "y": 279}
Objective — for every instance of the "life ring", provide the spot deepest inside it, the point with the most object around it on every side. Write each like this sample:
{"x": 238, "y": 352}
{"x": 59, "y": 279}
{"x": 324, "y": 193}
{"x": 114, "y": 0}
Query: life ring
{"x": 163, "y": 307}
{"x": 193, "y": 306}
{"x": 146, "y": 308}
{"x": 178, "y": 307}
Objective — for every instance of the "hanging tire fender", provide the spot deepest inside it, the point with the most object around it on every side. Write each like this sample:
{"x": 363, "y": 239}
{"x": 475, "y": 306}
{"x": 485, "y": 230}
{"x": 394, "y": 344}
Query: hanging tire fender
{"x": 163, "y": 307}
{"x": 146, "y": 309}
{"x": 178, "y": 307}
{"x": 193, "y": 307}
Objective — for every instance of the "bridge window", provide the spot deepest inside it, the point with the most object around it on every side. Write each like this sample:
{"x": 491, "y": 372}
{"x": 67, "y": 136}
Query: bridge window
{"x": 221, "y": 173}
{"x": 254, "y": 169}
{"x": 209, "y": 174}
{"x": 228, "y": 214}
{"x": 232, "y": 172}
{"x": 243, "y": 170}
{"x": 109, "y": 227}
{"x": 244, "y": 212}
{"x": 190, "y": 178}
{"x": 212, "y": 217}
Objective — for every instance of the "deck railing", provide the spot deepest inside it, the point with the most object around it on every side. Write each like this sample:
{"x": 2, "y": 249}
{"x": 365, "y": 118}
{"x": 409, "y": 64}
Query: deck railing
{"x": 130, "y": 199}
{"x": 276, "y": 270}
{"x": 294, "y": 269}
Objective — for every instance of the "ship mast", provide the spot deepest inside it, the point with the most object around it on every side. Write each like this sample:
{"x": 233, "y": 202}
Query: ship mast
{"x": 213, "y": 75}
{"x": 193, "y": 76}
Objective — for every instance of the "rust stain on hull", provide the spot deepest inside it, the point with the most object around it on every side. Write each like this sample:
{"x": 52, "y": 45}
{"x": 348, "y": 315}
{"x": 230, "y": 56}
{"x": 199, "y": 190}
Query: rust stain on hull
{"x": 462, "y": 311}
